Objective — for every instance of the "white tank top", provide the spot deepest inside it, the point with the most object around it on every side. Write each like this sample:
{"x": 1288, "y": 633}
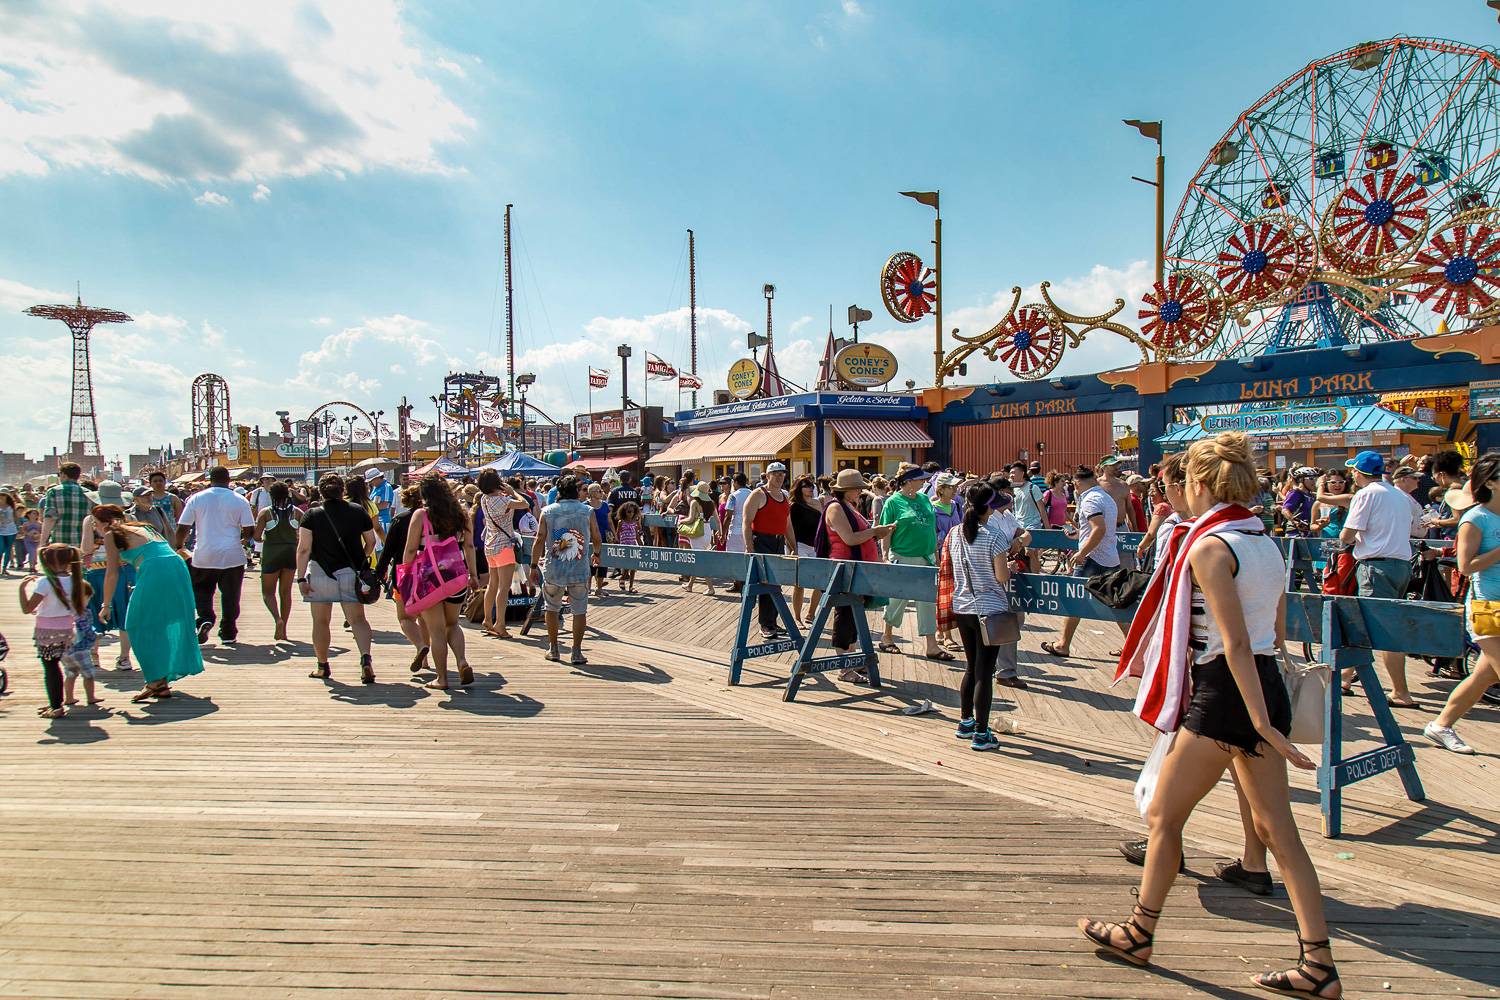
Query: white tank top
{"x": 1259, "y": 572}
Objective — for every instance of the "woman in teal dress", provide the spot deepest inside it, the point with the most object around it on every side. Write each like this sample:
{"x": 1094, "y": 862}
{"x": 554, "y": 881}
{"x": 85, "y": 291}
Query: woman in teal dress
{"x": 161, "y": 617}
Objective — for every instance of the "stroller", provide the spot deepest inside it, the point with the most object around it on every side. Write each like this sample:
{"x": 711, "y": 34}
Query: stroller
{"x": 4, "y": 677}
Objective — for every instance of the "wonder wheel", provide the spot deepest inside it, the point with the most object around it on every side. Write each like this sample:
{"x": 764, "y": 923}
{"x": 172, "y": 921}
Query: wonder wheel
{"x": 1348, "y": 205}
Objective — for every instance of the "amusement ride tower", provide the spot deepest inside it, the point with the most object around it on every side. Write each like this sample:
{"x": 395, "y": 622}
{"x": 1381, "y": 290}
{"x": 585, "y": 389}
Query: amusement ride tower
{"x": 83, "y": 428}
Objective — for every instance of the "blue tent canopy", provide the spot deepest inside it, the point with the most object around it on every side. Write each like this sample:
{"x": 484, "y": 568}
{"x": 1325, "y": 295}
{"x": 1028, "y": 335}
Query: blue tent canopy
{"x": 519, "y": 463}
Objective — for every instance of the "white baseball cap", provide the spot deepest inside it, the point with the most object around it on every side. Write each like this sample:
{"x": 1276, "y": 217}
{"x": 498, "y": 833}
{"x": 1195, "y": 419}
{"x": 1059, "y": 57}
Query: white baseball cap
{"x": 776, "y": 467}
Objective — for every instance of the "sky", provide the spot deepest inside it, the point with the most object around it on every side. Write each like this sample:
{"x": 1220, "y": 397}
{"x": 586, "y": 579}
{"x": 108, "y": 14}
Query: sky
{"x": 306, "y": 196}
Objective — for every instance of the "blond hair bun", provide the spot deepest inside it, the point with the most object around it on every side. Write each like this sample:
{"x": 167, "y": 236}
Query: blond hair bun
{"x": 1223, "y": 465}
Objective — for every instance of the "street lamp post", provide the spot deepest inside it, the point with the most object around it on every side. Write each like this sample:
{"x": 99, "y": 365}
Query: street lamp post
{"x": 1152, "y": 130}
{"x": 930, "y": 198}
{"x": 770, "y": 293}
{"x": 379, "y": 452}
{"x": 524, "y": 382}
{"x": 624, "y": 352}
{"x": 437, "y": 405}
{"x": 349, "y": 430}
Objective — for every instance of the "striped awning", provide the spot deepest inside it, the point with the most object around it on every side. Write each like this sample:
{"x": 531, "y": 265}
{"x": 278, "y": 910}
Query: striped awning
{"x": 689, "y": 449}
{"x": 880, "y": 434}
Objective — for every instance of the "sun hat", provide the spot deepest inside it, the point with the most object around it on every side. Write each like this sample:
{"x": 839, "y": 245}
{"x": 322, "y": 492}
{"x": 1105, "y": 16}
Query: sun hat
{"x": 1459, "y": 498}
{"x": 1368, "y": 462}
{"x": 700, "y": 492}
{"x": 943, "y": 479}
{"x": 1109, "y": 460}
{"x": 910, "y": 475}
{"x": 369, "y": 474}
{"x": 1405, "y": 472}
{"x": 1002, "y": 500}
{"x": 849, "y": 479}
{"x": 109, "y": 492}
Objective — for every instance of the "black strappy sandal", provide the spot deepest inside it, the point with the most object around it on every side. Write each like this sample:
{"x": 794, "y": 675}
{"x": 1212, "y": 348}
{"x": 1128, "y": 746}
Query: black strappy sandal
{"x": 1280, "y": 983}
{"x": 1140, "y": 938}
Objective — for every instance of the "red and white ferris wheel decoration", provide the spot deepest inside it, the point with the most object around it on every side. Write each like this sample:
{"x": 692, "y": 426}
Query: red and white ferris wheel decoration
{"x": 1460, "y": 270}
{"x": 1182, "y": 314}
{"x": 908, "y": 287}
{"x": 1270, "y": 257}
{"x": 1028, "y": 344}
{"x": 1379, "y": 219}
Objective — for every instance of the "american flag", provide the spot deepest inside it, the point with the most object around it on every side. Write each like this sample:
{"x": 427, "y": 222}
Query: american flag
{"x": 598, "y": 378}
{"x": 687, "y": 380}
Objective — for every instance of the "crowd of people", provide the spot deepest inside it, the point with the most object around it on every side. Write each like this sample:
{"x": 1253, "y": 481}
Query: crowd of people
{"x": 1208, "y": 640}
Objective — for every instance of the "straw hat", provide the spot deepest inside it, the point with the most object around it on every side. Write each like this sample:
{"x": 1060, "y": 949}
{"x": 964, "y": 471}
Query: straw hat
{"x": 849, "y": 479}
{"x": 1459, "y": 498}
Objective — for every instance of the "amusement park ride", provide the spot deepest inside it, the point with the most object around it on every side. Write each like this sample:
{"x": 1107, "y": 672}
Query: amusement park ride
{"x": 1357, "y": 202}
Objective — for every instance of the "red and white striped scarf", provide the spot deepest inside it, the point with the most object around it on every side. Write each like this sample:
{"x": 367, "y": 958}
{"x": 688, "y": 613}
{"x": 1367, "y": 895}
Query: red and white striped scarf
{"x": 1156, "y": 647}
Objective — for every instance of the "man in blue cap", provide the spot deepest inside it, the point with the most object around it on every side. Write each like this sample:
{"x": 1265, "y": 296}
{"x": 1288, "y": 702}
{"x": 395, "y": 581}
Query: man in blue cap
{"x": 1382, "y": 522}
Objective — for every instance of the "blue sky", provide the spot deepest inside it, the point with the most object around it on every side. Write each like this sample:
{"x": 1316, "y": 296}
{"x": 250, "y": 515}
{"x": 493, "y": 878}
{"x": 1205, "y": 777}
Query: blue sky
{"x": 306, "y": 197}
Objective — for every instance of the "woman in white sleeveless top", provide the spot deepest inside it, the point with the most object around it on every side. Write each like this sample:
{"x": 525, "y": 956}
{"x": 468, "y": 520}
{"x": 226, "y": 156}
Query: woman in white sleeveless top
{"x": 1238, "y": 710}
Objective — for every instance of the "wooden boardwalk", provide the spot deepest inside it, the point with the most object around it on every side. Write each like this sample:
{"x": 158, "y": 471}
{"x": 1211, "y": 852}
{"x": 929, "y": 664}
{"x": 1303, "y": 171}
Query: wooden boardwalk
{"x": 635, "y": 828}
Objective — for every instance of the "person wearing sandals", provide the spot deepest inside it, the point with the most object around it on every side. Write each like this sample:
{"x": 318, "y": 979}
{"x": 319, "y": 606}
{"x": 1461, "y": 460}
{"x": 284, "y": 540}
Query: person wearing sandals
{"x": 912, "y": 542}
{"x": 845, "y": 534}
{"x": 332, "y": 541}
{"x": 1098, "y": 547}
{"x": 1211, "y": 616}
{"x": 562, "y": 556}
{"x": 500, "y": 502}
{"x": 413, "y": 628}
{"x": 1249, "y": 870}
{"x": 276, "y": 533}
{"x": 978, "y": 553}
{"x": 442, "y": 516}
{"x": 163, "y": 610}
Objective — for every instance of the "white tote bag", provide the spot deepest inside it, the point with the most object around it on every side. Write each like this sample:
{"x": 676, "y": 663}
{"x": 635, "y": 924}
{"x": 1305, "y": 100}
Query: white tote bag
{"x": 1145, "y": 785}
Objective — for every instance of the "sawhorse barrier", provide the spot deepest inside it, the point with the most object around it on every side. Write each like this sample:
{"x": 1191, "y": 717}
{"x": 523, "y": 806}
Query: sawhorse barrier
{"x": 841, "y": 583}
{"x": 1338, "y": 625}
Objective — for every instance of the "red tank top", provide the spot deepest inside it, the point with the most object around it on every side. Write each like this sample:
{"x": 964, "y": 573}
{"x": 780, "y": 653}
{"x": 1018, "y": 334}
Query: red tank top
{"x": 838, "y": 548}
{"x": 771, "y": 518}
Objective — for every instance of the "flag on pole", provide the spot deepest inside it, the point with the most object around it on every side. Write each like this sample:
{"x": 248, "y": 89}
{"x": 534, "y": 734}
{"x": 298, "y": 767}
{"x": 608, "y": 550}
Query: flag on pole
{"x": 417, "y": 426}
{"x": 687, "y": 380}
{"x": 598, "y": 378}
{"x": 825, "y": 367}
{"x": 657, "y": 368}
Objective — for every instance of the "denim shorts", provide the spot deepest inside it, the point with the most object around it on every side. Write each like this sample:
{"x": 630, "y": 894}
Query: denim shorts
{"x": 578, "y": 597}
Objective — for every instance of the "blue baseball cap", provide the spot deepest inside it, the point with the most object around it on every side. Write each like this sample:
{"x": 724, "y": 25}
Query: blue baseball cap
{"x": 1368, "y": 462}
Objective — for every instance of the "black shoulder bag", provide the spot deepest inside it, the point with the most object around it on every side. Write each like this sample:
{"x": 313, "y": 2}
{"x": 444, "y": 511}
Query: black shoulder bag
{"x": 366, "y": 583}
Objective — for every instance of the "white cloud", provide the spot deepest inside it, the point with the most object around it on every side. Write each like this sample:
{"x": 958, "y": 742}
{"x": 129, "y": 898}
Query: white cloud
{"x": 15, "y": 296}
{"x": 852, "y": 9}
{"x": 211, "y": 199}
{"x": 322, "y": 321}
{"x": 169, "y": 91}
{"x": 261, "y": 193}
{"x": 449, "y": 66}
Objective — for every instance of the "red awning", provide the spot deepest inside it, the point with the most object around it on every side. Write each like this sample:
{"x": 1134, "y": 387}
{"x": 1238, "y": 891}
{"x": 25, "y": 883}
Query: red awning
{"x": 614, "y": 462}
{"x": 880, "y": 434}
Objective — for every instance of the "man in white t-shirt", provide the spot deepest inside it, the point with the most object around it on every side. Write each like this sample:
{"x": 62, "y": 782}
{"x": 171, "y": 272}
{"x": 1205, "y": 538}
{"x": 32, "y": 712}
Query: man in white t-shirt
{"x": 221, "y": 521}
{"x": 1382, "y": 522}
{"x": 734, "y": 510}
{"x": 1098, "y": 547}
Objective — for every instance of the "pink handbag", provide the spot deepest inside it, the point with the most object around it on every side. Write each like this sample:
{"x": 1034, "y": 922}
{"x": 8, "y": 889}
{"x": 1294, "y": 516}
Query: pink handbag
{"x": 437, "y": 573}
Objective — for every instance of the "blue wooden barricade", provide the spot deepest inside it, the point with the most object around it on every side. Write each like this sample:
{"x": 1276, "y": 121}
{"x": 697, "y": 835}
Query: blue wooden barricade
{"x": 1337, "y": 624}
{"x": 847, "y": 584}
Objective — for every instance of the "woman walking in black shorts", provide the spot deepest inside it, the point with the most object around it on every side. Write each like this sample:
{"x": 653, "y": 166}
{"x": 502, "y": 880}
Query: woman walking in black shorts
{"x": 1221, "y": 622}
